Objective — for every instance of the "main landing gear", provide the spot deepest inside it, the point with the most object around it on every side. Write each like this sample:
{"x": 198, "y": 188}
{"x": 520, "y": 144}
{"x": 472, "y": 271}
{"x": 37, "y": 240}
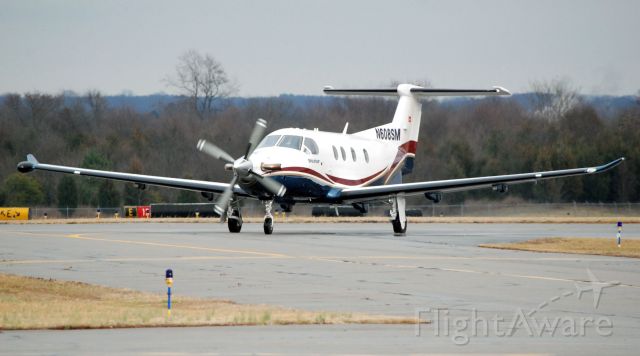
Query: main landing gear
{"x": 397, "y": 214}
{"x": 234, "y": 218}
{"x": 268, "y": 218}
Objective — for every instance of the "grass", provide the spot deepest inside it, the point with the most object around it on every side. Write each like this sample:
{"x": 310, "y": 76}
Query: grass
{"x": 367, "y": 219}
{"x": 36, "y": 303}
{"x": 577, "y": 245}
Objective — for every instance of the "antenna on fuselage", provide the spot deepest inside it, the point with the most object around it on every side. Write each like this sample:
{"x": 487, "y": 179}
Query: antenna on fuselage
{"x": 344, "y": 131}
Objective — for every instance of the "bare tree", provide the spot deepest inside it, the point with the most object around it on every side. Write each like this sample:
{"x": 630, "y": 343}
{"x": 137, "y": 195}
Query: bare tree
{"x": 13, "y": 102}
{"x": 203, "y": 79}
{"x": 553, "y": 99}
{"x": 41, "y": 106}
{"x": 97, "y": 104}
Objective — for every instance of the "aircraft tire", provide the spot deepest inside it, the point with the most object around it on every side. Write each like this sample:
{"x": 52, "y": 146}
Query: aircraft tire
{"x": 268, "y": 226}
{"x": 234, "y": 222}
{"x": 397, "y": 226}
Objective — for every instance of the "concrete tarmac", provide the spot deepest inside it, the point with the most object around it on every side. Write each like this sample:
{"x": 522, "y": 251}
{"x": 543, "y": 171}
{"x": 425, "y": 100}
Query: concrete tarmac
{"x": 480, "y": 300}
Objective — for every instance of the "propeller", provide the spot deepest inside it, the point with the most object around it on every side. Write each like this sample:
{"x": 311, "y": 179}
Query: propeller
{"x": 256, "y": 136}
{"x": 223, "y": 200}
{"x": 241, "y": 167}
{"x": 214, "y": 151}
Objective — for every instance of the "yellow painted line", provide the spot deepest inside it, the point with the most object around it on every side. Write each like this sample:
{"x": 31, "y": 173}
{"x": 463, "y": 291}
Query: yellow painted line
{"x": 190, "y": 247}
{"x": 460, "y": 270}
{"x": 499, "y": 274}
{"x": 488, "y": 258}
{"x": 445, "y": 269}
{"x": 30, "y": 262}
{"x": 150, "y": 243}
{"x": 334, "y": 259}
{"x": 509, "y": 275}
{"x": 133, "y": 259}
{"x": 44, "y": 234}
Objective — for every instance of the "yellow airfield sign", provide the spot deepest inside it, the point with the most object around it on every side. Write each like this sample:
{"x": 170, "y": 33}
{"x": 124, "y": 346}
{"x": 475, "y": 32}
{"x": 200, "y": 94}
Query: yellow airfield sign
{"x": 14, "y": 213}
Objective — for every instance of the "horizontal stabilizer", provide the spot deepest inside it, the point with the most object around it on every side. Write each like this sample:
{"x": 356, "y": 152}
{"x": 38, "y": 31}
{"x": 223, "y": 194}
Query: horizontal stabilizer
{"x": 380, "y": 92}
{"x": 459, "y": 92}
{"x": 417, "y": 91}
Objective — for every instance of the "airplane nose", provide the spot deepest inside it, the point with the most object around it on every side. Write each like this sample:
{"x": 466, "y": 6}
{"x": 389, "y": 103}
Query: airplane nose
{"x": 242, "y": 166}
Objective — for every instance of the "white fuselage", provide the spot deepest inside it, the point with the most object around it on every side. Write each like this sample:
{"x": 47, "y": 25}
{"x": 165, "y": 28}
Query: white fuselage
{"x": 333, "y": 161}
{"x": 329, "y": 159}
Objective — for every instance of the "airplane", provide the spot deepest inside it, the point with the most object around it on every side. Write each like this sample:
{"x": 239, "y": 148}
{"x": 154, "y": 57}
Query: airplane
{"x": 299, "y": 166}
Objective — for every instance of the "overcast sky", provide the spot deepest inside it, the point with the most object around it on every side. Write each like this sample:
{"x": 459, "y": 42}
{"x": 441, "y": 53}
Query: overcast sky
{"x": 274, "y": 47}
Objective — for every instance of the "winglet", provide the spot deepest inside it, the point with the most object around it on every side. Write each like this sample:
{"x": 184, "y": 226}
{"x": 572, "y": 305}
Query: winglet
{"x": 605, "y": 167}
{"x": 31, "y": 158}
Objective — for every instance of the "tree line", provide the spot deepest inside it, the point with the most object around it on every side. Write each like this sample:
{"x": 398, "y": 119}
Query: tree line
{"x": 556, "y": 129}
{"x": 471, "y": 138}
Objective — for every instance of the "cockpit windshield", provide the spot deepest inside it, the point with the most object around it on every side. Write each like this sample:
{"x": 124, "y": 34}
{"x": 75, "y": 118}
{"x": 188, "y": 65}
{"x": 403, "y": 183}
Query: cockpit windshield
{"x": 269, "y": 141}
{"x": 309, "y": 146}
{"x": 291, "y": 141}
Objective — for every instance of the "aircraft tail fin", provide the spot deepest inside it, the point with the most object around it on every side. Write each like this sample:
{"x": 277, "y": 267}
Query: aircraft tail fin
{"x": 405, "y": 126}
{"x": 409, "y": 110}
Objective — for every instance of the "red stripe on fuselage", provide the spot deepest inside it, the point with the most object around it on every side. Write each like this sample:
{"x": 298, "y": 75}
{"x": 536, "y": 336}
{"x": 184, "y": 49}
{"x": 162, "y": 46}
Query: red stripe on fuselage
{"x": 354, "y": 181}
{"x": 404, "y": 150}
{"x": 408, "y": 147}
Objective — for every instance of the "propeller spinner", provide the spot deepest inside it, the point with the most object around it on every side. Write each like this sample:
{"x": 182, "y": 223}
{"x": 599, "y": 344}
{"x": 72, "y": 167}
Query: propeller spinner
{"x": 241, "y": 167}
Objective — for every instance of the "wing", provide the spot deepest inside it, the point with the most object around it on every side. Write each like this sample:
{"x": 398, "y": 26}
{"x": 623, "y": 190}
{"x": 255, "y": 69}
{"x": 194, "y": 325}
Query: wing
{"x": 188, "y": 184}
{"x": 455, "y": 185}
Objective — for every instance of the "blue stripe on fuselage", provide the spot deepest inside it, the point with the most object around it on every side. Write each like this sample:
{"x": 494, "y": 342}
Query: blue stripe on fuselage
{"x": 301, "y": 187}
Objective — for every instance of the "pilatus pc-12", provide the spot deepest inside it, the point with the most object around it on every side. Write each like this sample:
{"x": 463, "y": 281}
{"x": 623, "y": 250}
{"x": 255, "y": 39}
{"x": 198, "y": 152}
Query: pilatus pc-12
{"x": 293, "y": 166}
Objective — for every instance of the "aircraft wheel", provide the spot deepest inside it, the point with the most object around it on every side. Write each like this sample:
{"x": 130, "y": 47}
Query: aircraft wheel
{"x": 268, "y": 226}
{"x": 398, "y": 226}
{"x": 234, "y": 222}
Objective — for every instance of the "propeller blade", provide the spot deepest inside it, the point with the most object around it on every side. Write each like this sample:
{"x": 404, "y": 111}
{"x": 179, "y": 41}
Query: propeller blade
{"x": 271, "y": 185}
{"x": 256, "y": 136}
{"x": 222, "y": 204}
{"x": 214, "y": 151}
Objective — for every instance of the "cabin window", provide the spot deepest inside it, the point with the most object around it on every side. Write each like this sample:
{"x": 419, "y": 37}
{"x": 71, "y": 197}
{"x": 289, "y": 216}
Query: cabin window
{"x": 344, "y": 154}
{"x": 310, "y": 146}
{"x": 366, "y": 155}
{"x": 335, "y": 152}
{"x": 269, "y": 141}
{"x": 353, "y": 154}
{"x": 291, "y": 141}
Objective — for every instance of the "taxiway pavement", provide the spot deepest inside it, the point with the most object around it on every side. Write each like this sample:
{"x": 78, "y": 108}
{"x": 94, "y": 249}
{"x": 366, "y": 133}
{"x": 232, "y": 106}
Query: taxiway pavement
{"x": 436, "y": 270}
